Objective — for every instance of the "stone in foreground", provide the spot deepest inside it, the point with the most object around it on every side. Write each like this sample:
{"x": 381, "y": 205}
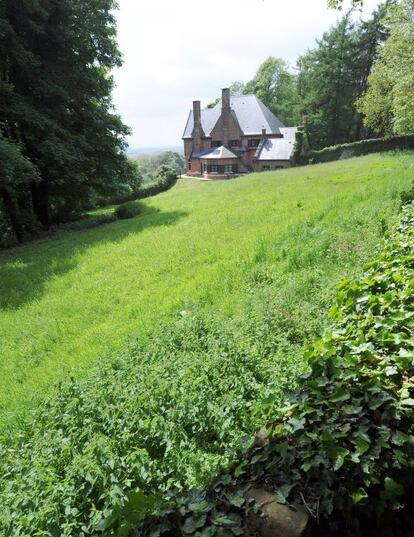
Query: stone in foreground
{"x": 275, "y": 519}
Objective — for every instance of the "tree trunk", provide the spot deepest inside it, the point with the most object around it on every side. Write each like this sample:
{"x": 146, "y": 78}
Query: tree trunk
{"x": 40, "y": 201}
{"x": 12, "y": 212}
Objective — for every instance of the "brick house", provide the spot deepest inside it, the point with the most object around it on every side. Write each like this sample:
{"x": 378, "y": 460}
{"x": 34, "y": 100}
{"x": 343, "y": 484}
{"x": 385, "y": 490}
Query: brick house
{"x": 239, "y": 135}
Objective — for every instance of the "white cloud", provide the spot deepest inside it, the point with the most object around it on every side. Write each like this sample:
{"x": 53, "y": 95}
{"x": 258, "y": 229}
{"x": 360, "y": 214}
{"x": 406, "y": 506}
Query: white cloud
{"x": 175, "y": 52}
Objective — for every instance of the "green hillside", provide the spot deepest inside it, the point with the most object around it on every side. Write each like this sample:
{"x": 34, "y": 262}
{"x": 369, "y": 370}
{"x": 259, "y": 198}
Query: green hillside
{"x": 67, "y": 300}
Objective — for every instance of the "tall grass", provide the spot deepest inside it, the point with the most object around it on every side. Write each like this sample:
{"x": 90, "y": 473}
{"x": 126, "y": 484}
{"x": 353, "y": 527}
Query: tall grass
{"x": 225, "y": 246}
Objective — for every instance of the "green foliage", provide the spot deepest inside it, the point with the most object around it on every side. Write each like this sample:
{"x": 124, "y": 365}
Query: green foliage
{"x": 63, "y": 144}
{"x": 16, "y": 174}
{"x": 148, "y": 165}
{"x": 362, "y": 147}
{"x": 213, "y": 103}
{"x": 185, "y": 398}
{"x": 166, "y": 177}
{"x": 301, "y": 147}
{"x": 388, "y": 103}
{"x": 345, "y": 446}
{"x": 128, "y": 210}
{"x": 334, "y": 74}
{"x": 337, "y": 4}
{"x": 276, "y": 86}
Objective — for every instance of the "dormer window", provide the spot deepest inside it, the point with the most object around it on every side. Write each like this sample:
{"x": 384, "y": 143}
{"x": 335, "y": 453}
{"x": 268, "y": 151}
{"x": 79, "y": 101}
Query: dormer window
{"x": 234, "y": 143}
{"x": 253, "y": 142}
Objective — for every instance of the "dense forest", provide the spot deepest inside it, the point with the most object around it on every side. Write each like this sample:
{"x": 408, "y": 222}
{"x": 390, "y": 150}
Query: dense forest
{"x": 61, "y": 144}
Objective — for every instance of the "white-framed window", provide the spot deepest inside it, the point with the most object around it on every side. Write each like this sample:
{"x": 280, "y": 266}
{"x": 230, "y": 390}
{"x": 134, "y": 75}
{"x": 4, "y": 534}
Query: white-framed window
{"x": 213, "y": 168}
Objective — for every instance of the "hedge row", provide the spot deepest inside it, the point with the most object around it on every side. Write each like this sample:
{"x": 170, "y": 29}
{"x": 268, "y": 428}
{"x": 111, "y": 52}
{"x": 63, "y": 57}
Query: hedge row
{"x": 166, "y": 179}
{"x": 354, "y": 149}
{"x": 346, "y": 447}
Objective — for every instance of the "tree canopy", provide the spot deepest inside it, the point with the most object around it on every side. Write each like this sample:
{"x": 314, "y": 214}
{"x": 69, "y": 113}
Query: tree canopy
{"x": 275, "y": 85}
{"x": 388, "y": 103}
{"x": 334, "y": 74}
{"x": 61, "y": 144}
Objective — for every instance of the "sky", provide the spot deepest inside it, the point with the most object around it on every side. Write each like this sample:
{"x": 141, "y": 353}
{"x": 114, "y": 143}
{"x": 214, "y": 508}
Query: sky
{"x": 184, "y": 50}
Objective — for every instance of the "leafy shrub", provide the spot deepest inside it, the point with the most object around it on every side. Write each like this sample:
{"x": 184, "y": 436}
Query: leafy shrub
{"x": 345, "y": 447}
{"x": 362, "y": 147}
{"x": 127, "y": 210}
{"x": 162, "y": 414}
{"x": 165, "y": 179}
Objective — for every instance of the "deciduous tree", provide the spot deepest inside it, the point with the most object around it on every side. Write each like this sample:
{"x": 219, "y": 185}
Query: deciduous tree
{"x": 276, "y": 85}
{"x": 388, "y": 104}
{"x": 55, "y": 103}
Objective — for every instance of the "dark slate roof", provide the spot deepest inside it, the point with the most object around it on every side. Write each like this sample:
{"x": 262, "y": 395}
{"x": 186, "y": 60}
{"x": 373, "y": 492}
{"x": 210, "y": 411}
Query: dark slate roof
{"x": 251, "y": 114}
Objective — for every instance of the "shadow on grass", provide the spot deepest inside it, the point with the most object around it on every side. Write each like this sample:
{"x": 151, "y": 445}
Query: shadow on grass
{"x": 24, "y": 270}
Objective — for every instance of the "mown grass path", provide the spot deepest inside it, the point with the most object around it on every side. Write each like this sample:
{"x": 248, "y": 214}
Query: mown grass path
{"x": 67, "y": 300}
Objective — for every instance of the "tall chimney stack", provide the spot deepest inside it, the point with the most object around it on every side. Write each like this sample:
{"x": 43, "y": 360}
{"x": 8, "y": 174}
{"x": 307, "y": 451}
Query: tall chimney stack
{"x": 198, "y": 132}
{"x": 196, "y": 115}
{"x": 225, "y": 99}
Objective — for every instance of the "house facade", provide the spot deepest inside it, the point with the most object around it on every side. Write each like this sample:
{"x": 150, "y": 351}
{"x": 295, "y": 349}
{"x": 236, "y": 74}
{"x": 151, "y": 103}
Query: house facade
{"x": 239, "y": 135}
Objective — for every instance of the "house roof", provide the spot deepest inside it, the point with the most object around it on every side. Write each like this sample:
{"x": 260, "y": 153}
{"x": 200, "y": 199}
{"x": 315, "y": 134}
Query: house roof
{"x": 251, "y": 114}
{"x": 277, "y": 148}
{"x": 219, "y": 153}
{"x": 289, "y": 133}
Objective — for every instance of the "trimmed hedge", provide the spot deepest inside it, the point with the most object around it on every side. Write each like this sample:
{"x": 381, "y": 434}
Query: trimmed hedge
{"x": 345, "y": 448}
{"x": 354, "y": 149}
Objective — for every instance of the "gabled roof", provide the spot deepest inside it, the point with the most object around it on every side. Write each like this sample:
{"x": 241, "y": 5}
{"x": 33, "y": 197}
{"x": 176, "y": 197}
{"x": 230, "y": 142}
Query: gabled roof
{"x": 218, "y": 153}
{"x": 251, "y": 114}
{"x": 278, "y": 148}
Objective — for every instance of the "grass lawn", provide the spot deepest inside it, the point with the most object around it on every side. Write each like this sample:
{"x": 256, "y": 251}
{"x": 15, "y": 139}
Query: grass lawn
{"x": 66, "y": 301}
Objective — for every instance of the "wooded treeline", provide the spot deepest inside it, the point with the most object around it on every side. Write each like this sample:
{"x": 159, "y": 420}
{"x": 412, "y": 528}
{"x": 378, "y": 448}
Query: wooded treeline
{"x": 357, "y": 82}
{"x": 61, "y": 144}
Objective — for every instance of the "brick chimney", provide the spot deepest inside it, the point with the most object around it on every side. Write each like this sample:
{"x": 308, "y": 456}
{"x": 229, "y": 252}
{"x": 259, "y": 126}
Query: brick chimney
{"x": 225, "y": 114}
{"x": 225, "y": 99}
{"x": 198, "y": 132}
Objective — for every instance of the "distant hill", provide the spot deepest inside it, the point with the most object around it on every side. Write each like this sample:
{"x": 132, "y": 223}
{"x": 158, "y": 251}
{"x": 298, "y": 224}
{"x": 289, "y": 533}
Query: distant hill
{"x": 135, "y": 151}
